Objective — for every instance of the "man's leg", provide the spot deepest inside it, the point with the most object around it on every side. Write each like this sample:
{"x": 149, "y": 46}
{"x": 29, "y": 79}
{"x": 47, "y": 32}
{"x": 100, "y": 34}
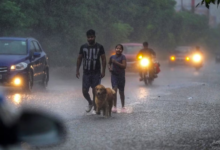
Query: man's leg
{"x": 85, "y": 90}
{"x": 87, "y": 96}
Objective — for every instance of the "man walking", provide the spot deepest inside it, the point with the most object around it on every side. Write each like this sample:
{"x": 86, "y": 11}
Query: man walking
{"x": 90, "y": 53}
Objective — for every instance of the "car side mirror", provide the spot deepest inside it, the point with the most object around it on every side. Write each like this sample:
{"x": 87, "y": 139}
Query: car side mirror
{"x": 37, "y": 54}
{"x": 36, "y": 128}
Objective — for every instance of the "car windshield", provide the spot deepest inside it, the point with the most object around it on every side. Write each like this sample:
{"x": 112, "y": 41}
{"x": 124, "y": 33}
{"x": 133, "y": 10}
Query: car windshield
{"x": 13, "y": 47}
{"x": 182, "y": 49}
{"x": 132, "y": 49}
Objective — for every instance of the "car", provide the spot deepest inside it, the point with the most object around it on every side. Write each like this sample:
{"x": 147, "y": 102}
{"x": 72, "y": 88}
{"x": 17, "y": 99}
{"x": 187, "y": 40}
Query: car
{"x": 180, "y": 55}
{"x": 23, "y": 62}
{"x": 130, "y": 51}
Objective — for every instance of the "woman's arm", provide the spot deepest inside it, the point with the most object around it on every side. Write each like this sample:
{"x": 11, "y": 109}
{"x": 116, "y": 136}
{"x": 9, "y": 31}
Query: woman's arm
{"x": 109, "y": 64}
{"x": 122, "y": 65}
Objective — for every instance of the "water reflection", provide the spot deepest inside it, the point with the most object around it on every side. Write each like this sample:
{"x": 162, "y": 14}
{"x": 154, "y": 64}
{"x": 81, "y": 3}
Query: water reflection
{"x": 16, "y": 99}
{"x": 142, "y": 93}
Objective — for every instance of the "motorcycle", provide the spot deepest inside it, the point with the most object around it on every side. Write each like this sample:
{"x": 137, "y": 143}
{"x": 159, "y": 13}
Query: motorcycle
{"x": 147, "y": 66}
{"x": 197, "y": 60}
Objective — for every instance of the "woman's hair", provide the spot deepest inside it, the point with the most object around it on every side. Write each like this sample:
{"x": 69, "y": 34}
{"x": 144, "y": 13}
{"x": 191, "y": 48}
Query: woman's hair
{"x": 120, "y": 45}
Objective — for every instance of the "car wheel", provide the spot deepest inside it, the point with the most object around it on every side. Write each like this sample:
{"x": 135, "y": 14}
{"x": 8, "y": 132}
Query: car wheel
{"x": 45, "y": 79}
{"x": 29, "y": 82}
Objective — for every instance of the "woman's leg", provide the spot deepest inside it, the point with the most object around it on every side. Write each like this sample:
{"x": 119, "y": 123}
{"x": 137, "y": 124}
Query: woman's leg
{"x": 122, "y": 96}
{"x": 114, "y": 86}
{"x": 115, "y": 99}
{"x": 121, "y": 87}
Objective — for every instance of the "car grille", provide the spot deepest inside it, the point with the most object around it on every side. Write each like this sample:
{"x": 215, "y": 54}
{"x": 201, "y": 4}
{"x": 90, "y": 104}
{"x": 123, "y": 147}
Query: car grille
{"x": 3, "y": 69}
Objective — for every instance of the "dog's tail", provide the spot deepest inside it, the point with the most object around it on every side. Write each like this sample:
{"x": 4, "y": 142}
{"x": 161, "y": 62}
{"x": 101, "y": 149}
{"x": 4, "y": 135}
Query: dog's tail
{"x": 113, "y": 91}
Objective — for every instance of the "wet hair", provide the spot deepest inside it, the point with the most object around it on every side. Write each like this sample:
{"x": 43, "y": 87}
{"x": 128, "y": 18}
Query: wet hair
{"x": 145, "y": 43}
{"x": 120, "y": 45}
{"x": 90, "y": 32}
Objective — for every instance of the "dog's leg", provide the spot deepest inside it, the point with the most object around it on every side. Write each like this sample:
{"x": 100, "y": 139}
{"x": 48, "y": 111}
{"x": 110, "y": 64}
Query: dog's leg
{"x": 107, "y": 111}
{"x": 110, "y": 111}
{"x": 97, "y": 110}
{"x": 104, "y": 113}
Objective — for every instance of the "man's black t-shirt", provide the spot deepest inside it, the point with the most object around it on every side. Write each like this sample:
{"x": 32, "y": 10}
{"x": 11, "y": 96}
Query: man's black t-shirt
{"x": 91, "y": 57}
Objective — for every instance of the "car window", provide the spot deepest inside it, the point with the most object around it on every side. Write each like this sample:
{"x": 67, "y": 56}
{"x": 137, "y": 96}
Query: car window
{"x": 132, "y": 49}
{"x": 32, "y": 47}
{"x": 13, "y": 47}
{"x": 38, "y": 49}
{"x": 183, "y": 49}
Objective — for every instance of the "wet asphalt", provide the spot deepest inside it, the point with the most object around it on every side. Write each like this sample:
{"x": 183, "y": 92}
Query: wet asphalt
{"x": 179, "y": 111}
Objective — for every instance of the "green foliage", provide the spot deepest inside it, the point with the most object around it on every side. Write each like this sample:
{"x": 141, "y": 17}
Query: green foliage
{"x": 61, "y": 25}
{"x": 208, "y": 2}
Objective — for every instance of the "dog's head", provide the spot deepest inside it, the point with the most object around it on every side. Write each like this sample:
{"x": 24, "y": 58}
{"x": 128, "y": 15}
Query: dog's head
{"x": 100, "y": 90}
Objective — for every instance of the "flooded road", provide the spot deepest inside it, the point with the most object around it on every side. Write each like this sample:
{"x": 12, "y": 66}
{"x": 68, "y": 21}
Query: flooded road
{"x": 180, "y": 110}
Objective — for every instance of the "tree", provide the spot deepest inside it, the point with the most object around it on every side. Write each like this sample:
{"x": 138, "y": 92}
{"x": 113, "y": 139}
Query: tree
{"x": 208, "y": 2}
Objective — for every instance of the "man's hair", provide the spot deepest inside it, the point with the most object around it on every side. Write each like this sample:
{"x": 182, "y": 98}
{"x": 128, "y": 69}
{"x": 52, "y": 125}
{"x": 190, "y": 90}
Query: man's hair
{"x": 145, "y": 44}
{"x": 90, "y": 32}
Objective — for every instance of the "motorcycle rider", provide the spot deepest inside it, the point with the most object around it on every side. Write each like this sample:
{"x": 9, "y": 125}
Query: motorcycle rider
{"x": 147, "y": 52}
{"x": 198, "y": 50}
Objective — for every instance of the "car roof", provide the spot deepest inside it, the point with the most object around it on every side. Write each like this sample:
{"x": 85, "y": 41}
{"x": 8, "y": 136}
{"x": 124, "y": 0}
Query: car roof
{"x": 137, "y": 44}
{"x": 17, "y": 38}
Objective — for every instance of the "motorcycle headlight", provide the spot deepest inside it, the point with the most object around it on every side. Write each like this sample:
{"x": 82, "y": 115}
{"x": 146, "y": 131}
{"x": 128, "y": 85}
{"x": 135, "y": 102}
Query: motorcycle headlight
{"x": 20, "y": 66}
{"x": 144, "y": 62}
{"x": 197, "y": 58}
{"x": 172, "y": 58}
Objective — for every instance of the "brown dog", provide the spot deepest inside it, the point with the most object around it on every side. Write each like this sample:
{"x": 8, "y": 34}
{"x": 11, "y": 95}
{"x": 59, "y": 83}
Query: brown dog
{"x": 104, "y": 100}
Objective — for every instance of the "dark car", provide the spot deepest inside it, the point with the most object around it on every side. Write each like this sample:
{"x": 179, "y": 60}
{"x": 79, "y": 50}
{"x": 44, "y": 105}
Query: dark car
{"x": 180, "y": 55}
{"x": 23, "y": 62}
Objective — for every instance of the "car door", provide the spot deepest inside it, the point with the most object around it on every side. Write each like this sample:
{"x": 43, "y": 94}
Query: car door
{"x": 35, "y": 62}
{"x": 42, "y": 60}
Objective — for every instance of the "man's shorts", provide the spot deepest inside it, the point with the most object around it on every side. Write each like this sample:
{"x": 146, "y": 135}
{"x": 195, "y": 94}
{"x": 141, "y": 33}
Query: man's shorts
{"x": 118, "y": 81}
{"x": 91, "y": 80}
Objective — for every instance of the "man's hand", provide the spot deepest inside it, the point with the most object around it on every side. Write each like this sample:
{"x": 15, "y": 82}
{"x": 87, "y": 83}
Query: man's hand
{"x": 102, "y": 74}
{"x": 77, "y": 74}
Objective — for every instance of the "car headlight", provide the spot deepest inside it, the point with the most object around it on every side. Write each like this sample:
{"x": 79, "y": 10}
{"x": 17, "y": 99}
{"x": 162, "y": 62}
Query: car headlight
{"x": 144, "y": 62}
{"x": 197, "y": 58}
{"x": 140, "y": 57}
{"x": 20, "y": 66}
{"x": 172, "y": 58}
{"x": 187, "y": 58}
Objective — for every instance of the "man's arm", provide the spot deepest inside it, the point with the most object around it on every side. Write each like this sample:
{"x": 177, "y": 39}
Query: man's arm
{"x": 103, "y": 65}
{"x": 153, "y": 52}
{"x": 79, "y": 61}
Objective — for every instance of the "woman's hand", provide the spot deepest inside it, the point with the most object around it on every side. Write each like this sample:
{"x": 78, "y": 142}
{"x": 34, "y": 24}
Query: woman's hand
{"x": 114, "y": 61}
